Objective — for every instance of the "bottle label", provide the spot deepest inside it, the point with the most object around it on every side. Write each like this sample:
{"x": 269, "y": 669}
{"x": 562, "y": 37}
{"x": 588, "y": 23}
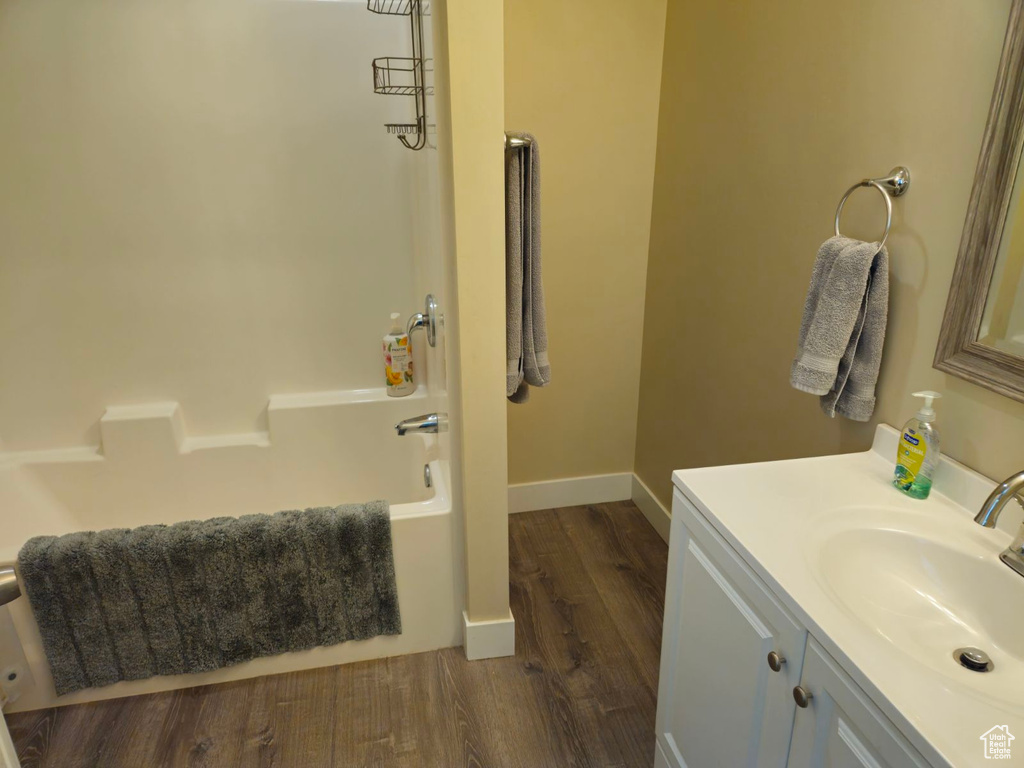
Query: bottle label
{"x": 911, "y": 455}
{"x": 398, "y": 361}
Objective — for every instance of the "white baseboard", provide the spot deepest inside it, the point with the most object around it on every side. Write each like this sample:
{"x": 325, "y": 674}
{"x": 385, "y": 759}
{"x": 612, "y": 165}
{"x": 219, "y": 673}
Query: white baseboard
{"x": 570, "y": 492}
{"x": 594, "y": 489}
{"x": 656, "y": 514}
{"x": 488, "y": 639}
{"x": 660, "y": 761}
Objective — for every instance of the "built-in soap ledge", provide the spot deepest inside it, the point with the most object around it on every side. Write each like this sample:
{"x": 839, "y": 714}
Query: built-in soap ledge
{"x": 339, "y": 397}
{"x": 75, "y": 455}
{"x": 155, "y": 431}
{"x": 154, "y": 428}
{"x": 160, "y": 428}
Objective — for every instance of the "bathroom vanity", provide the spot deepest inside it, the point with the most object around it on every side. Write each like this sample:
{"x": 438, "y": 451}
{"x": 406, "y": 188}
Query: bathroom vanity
{"x": 815, "y": 616}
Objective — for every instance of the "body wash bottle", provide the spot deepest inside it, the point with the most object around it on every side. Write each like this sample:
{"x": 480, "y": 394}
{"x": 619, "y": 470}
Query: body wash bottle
{"x": 398, "y": 360}
{"x": 918, "y": 452}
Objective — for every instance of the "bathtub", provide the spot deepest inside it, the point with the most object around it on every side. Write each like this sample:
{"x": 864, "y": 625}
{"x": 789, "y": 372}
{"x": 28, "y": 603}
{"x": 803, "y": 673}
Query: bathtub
{"x": 318, "y": 449}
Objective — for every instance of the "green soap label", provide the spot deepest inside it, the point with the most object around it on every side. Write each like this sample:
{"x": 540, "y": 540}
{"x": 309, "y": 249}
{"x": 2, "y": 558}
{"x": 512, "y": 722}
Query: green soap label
{"x": 911, "y": 454}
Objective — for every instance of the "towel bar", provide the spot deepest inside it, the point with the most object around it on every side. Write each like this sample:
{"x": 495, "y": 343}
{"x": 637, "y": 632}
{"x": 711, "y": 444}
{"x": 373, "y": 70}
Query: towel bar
{"x": 513, "y": 143}
{"x": 893, "y": 185}
{"x": 9, "y": 589}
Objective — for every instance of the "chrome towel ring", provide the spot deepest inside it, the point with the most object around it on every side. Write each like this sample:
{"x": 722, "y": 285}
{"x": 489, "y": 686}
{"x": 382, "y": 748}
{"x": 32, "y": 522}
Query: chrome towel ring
{"x": 893, "y": 185}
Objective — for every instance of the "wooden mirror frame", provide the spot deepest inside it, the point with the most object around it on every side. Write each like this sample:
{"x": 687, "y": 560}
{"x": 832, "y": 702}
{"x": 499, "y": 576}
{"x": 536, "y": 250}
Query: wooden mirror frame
{"x": 959, "y": 351}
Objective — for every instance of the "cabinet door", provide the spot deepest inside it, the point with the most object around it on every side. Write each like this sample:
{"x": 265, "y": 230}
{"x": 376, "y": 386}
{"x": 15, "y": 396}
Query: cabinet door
{"x": 719, "y": 702}
{"x": 841, "y": 728}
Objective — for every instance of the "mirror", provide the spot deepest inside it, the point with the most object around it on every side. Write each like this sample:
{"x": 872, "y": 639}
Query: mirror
{"x": 982, "y": 336}
{"x": 1002, "y": 322}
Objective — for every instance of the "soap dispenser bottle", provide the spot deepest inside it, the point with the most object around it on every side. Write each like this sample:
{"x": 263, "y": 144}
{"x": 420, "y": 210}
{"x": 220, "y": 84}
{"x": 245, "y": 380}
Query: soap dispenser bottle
{"x": 918, "y": 453}
{"x": 398, "y": 360}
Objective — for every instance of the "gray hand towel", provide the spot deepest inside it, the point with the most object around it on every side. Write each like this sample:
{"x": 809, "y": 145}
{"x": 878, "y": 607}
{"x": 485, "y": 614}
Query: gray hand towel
{"x": 526, "y": 333}
{"x": 843, "y": 327}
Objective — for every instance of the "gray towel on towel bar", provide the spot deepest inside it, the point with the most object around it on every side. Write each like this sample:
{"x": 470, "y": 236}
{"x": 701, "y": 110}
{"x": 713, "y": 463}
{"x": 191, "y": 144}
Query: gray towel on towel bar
{"x": 526, "y": 332}
{"x": 126, "y": 604}
{"x": 843, "y": 327}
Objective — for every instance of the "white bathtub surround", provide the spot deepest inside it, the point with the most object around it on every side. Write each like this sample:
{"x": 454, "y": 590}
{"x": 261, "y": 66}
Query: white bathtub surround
{"x": 285, "y": 226}
{"x": 320, "y": 449}
{"x": 488, "y": 639}
{"x": 863, "y": 593}
{"x": 8, "y": 754}
{"x": 266, "y": 261}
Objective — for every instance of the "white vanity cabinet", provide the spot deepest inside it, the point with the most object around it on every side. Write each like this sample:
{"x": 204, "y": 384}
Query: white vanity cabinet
{"x": 723, "y": 702}
{"x": 719, "y": 701}
{"x": 841, "y": 728}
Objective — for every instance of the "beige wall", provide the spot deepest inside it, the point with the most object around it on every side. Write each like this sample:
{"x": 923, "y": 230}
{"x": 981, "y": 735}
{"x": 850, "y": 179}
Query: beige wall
{"x": 769, "y": 112}
{"x": 470, "y": 143}
{"x": 584, "y": 78}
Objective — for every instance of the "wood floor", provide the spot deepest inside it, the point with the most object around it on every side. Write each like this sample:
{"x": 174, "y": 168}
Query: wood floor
{"x": 587, "y": 588}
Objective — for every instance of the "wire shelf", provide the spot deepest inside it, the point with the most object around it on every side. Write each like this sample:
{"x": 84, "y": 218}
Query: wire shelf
{"x": 397, "y": 7}
{"x": 408, "y": 129}
{"x": 402, "y": 76}
{"x": 406, "y": 76}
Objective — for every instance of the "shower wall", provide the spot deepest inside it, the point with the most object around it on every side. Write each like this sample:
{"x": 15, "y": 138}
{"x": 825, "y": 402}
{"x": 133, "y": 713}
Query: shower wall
{"x": 199, "y": 203}
{"x": 204, "y": 226}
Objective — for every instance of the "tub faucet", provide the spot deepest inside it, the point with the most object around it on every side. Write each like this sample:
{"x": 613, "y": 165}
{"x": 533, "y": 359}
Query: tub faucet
{"x": 1011, "y": 488}
{"x": 430, "y": 423}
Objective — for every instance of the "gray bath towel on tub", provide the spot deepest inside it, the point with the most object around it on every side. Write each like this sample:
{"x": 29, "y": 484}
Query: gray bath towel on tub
{"x": 127, "y": 604}
{"x": 526, "y": 332}
{"x": 843, "y": 327}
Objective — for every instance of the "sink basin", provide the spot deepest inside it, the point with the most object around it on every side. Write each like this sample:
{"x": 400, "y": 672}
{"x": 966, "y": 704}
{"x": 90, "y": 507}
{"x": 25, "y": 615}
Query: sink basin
{"x": 927, "y": 589}
{"x": 889, "y": 586}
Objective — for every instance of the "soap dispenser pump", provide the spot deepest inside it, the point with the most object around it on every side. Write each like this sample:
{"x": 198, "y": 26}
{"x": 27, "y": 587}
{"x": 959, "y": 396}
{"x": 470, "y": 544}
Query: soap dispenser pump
{"x": 918, "y": 454}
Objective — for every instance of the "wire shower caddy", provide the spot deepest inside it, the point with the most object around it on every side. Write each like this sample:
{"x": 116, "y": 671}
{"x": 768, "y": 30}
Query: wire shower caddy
{"x": 396, "y": 7}
{"x": 406, "y": 75}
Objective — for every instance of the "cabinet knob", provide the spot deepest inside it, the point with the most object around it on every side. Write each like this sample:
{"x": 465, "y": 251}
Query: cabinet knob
{"x": 775, "y": 661}
{"x": 803, "y": 696}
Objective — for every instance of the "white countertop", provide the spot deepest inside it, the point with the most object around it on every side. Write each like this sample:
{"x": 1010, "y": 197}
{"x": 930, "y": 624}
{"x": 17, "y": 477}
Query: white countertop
{"x": 769, "y": 513}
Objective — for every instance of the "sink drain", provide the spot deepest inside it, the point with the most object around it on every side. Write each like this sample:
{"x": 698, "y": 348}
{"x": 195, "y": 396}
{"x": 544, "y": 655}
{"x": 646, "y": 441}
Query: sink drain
{"x": 973, "y": 659}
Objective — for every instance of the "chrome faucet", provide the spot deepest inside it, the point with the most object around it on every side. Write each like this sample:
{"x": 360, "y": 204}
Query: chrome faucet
{"x": 429, "y": 423}
{"x": 1011, "y": 488}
